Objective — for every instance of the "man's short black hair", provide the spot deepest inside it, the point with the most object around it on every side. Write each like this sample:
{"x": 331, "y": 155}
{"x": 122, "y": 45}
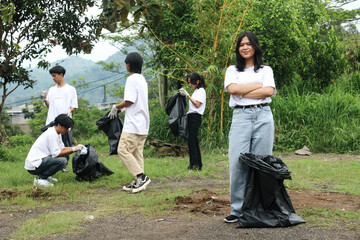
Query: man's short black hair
{"x": 135, "y": 60}
{"x": 64, "y": 120}
{"x": 58, "y": 70}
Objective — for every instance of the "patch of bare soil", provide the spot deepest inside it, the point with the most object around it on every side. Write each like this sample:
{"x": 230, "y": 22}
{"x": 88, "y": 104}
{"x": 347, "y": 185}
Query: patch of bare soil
{"x": 198, "y": 216}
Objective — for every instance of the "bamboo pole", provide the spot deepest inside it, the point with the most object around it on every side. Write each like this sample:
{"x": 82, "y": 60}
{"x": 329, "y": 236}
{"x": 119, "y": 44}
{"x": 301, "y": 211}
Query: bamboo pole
{"x": 227, "y": 61}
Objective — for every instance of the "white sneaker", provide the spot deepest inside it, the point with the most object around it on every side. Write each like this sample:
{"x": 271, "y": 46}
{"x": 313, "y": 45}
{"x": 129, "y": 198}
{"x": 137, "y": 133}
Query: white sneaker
{"x": 51, "y": 179}
{"x": 140, "y": 184}
{"x": 42, "y": 183}
{"x": 129, "y": 187}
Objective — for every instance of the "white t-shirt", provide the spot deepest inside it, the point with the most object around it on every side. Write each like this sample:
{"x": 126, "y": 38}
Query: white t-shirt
{"x": 49, "y": 143}
{"x": 60, "y": 101}
{"x": 137, "y": 118}
{"x": 199, "y": 95}
{"x": 264, "y": 75}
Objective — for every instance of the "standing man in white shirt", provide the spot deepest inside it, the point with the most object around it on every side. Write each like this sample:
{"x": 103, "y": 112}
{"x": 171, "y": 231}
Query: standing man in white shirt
{"x": 136, "y": 123}
{"x": 61, "y": 98}
{"x": 46, "y": 156}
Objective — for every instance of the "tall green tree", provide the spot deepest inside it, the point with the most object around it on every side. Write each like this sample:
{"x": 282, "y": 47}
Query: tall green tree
{"x": 30, "y": 28}
{"x": 202, "y": 36}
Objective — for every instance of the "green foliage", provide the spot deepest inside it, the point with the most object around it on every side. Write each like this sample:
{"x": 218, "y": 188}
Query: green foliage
{"x": 324, "y": 62}
{"x": 5, "y": 154}
{"x": 20, "y": 140}
{"x": 39, "y": 119}
{"x": 85, "y": 118}
{"x": 324, "y": 123}
{"x": 349, "y": 83}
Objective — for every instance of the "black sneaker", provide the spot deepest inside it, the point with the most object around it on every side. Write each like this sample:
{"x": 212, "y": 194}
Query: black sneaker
{"x": 141, "y": 184}
{"x": 231, "y": 219}
{"x": 129, "y": 187}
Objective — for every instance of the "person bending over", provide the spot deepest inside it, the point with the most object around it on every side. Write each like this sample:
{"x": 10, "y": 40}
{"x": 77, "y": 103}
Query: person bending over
{"x": 46, "y": 156}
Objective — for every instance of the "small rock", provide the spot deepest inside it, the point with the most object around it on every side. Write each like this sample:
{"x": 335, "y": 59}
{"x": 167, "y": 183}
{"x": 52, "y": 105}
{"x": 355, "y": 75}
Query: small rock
{"x": 303, "y": 152}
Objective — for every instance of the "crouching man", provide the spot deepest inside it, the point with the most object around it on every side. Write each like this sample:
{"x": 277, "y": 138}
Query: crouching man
{"x": 46, "y": 156}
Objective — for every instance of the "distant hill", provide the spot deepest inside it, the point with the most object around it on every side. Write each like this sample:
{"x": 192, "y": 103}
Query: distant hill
{"x": 76, "y": 68}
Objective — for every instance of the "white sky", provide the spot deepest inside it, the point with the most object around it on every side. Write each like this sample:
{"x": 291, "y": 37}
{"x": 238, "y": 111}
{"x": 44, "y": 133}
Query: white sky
{"x": 102, "y": 49}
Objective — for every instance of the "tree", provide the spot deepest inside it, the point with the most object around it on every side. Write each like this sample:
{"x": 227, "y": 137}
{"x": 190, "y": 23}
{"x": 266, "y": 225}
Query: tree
{"x": 30, "y": 28}
{"x": 205, "y": 33}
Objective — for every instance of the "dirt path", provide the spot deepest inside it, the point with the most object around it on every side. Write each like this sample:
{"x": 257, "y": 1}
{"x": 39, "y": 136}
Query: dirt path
{"x": 199, "y": 216}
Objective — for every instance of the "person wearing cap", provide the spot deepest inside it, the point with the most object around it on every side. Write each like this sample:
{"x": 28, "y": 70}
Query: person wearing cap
{"x": 46, "y": 156}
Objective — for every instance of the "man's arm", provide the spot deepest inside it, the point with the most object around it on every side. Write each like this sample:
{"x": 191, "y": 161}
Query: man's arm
{"x": 65, "y": 151}
{"x": 46, "y": 103}
{"x": 124, "y": 104}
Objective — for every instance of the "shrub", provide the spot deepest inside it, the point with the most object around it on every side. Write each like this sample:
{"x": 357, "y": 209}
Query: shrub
{"x": 19, "y": 140}
{"x": 5, "y": 154}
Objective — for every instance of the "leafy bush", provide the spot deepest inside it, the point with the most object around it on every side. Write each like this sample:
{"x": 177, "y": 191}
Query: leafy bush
{"x": 349, "y": 83}
{"x": 97, "y": 140}
{"x": 324, "y": 123}
{"x": 5, "y": 154}
{"x": 85, "y": 118}
{"x": 19, "y": 140}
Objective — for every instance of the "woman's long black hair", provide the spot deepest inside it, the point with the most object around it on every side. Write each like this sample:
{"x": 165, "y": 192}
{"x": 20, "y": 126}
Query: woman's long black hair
{"x": 240, "y": 61}
{"x": 194, "y": 77}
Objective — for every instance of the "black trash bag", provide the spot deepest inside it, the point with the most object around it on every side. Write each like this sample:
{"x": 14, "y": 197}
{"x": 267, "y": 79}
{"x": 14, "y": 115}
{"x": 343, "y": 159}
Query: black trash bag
{"x": 67, "y": 139}
{"x": 176, "y": 109}
{"x": 266, "y": 202}
{"x": 87, "y": 167}
{"x": 113, "y": 129}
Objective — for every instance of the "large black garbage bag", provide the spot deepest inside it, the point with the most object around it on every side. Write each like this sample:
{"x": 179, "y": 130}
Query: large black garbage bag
{"x": 87, "y": 167}
{"x": 113, "y": 129}
{"x": 266, "y": 202}
{"x": 176, "y": 109}
{"x": 67, "y": 139}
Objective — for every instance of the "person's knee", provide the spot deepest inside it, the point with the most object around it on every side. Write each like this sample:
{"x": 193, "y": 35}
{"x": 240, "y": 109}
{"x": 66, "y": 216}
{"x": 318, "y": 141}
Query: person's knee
{"x": 62, "y": 161}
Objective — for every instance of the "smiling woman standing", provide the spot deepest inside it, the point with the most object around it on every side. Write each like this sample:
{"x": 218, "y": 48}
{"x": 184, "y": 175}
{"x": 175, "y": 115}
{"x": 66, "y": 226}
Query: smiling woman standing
{"x": 250, "y": 84}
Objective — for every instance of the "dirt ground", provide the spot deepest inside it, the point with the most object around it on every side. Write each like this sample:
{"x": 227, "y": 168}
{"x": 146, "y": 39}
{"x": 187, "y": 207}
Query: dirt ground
{"x": 200, "y": 216}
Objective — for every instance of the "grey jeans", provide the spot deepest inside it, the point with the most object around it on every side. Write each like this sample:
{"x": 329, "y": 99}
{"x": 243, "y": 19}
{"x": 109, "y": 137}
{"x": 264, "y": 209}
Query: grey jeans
{"x": 49, "y": 166}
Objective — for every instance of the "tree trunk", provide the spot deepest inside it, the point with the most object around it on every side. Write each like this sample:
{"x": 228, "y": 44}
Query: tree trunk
{"x": 3, "y": 138}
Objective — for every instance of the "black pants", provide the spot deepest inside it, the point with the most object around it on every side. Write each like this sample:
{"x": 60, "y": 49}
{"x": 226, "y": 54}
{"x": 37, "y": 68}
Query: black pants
{"x": 194, "y": 122}
{"x": 68, "y": 141}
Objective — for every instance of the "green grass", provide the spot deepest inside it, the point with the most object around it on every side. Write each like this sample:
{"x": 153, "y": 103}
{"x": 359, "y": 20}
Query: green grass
{"x": 331, "y": 219}
{"x": 50, "y": 223}
{"x": 338, "y": 176}
{"x": 104, "y": 195}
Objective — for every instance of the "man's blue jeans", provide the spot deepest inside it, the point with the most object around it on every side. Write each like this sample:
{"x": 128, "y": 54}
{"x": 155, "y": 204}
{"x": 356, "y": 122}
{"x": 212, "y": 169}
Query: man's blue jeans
{"x": 49, "y": 166}
{"x": 252, "y": 130}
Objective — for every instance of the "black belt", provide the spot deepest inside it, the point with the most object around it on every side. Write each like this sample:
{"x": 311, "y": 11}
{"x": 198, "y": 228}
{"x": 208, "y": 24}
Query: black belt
{"x": 252, "y": 106}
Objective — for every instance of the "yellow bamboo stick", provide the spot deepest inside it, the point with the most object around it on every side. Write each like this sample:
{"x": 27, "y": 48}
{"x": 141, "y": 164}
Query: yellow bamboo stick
{"x": 227, "y": 61}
